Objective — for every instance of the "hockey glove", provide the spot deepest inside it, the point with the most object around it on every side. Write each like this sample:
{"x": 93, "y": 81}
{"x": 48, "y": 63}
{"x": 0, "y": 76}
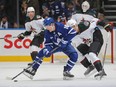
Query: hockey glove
{"x": 108, "y": 27}
{"x": 21, "y": 36}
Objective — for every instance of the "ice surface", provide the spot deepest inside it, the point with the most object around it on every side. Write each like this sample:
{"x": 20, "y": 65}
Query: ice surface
{"x": 50, "y": 75}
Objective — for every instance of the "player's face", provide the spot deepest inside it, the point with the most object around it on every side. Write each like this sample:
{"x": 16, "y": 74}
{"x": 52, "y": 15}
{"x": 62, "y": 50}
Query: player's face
{"x": 31, "y": 14}
{"x": 50, "y": 27}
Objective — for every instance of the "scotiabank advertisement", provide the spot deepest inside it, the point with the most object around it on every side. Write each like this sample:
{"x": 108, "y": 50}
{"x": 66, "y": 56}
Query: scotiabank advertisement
{"x": 14, "y": 49}
{"x": 10, "y": 45}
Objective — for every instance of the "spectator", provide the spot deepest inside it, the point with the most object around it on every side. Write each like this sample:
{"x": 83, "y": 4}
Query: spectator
{"x": 2, "y": 8}
{"x": 4, "y": 22}
{"x": 45, "y": 9}
{"x": 77, "y": 5}
{"x": 57, "y": 9}
{"x": 69, "y": 10}
{"x": 11, "y": 10}
{"x": 22, "y": 13}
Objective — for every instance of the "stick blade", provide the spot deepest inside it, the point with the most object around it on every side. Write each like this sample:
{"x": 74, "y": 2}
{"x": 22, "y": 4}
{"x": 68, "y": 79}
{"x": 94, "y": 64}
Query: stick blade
{"x": 9, "y": 78}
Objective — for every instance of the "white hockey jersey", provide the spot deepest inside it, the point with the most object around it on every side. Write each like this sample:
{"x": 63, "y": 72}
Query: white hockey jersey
{"x": 86, "y": 36}
{"x": 80, "y": 17}
{"x": 36, "y": 26}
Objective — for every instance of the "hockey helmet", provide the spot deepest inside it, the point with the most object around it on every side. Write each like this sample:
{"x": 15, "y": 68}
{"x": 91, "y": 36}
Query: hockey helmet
{"x": 30, "y": 9}
{"x": 71, "y": 22}
{"x": 48, "y": 21}
{"x": 85, "y": 6}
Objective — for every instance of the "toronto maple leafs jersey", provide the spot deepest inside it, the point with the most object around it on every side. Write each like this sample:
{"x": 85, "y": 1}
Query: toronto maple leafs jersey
{"x": 35, "y": 25}
{"x": 62, "y": 33}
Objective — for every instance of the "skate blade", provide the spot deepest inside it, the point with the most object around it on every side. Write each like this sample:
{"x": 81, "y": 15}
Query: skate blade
{"x": 67, "y": 78}
{"x": 99, "y": 77}
{"x": 28, "y": 75}
{"x": 91, "y": 73}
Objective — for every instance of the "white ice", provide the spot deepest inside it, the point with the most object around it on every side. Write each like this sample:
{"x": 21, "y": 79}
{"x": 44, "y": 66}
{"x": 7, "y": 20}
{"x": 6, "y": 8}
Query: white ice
{"x": 50, "y": 75}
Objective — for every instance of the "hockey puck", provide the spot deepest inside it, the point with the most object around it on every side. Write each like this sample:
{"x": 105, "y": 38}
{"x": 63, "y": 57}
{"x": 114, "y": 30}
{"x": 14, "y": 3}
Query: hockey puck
{"x": 15, "y": 80}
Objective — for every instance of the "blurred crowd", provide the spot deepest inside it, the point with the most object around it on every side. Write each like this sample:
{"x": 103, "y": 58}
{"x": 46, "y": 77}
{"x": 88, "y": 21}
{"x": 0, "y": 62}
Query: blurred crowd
{"x": 13, "y": 12}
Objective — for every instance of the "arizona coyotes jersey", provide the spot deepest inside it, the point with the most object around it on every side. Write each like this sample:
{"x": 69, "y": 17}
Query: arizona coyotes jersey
{"x": 86, "y": 37}
{"x": 79, "y": 17}
{"x": 35, "y": 25}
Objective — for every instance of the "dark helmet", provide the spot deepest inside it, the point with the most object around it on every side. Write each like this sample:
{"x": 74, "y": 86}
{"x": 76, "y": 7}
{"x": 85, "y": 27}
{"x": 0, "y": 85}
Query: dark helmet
{"x": 48, "y": 21}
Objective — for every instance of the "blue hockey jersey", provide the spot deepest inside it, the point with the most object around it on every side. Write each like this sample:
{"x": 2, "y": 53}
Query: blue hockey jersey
{"x": 62, "y": 34}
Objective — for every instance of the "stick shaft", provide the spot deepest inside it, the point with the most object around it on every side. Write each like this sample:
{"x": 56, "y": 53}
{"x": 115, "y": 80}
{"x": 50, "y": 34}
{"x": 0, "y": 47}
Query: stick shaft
{"x": 105, "y": 49}
{"x": 30, "y": 66}
{"x": 8, "y": 37}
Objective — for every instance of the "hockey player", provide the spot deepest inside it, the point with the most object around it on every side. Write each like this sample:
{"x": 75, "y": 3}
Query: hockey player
{"x": 56, "y": 35}
{"x": 91, "y": 43}
{"x": 33, "y": 25}
{"x": 91, "y": 40}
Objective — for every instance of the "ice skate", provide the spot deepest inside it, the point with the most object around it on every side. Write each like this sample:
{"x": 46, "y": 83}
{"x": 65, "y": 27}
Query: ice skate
{"x": 100, "y": 75}
{"x": 89, "y": 70}
{"x": 30, "y": 72}
{"x": 66, "y": 74}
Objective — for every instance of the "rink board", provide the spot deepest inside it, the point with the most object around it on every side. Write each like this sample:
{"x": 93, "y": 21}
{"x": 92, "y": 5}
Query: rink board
{"x": 12, "y": 49}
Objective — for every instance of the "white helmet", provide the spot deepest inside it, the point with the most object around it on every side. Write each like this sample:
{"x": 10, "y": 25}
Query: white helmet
{"x": 71, "y": 22}
{"x": 85, "y": 6}
{"x": 30, "y": 9}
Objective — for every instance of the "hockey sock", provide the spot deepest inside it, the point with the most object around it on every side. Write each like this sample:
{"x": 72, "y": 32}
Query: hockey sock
{"x": 85, "y": 62}
{"x": 37, "y": 62}
{"x": 69, "y": 65}
{"x": 71, "y": 62}
{"x": 98, "y": 65}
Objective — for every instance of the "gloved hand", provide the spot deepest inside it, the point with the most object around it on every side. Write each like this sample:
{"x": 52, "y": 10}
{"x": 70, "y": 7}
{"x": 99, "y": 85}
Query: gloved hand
{"x": 21, "y": 36}
{"x": 108, "y": 27}
{"x": 47, "y": 53}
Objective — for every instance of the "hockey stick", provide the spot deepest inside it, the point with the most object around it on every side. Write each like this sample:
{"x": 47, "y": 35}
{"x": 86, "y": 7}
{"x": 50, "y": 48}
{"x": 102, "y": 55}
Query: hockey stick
{"x": 28, "y": 67}
{"x": 105, "y": 48}
{"x": 8, "y": 37}
{"x": 104, "y": 57}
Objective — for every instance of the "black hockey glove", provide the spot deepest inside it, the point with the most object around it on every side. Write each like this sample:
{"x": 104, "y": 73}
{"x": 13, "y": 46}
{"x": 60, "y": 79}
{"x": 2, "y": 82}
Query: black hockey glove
{"x": 108, "y": 27}
{"x": 21, "y": 36}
